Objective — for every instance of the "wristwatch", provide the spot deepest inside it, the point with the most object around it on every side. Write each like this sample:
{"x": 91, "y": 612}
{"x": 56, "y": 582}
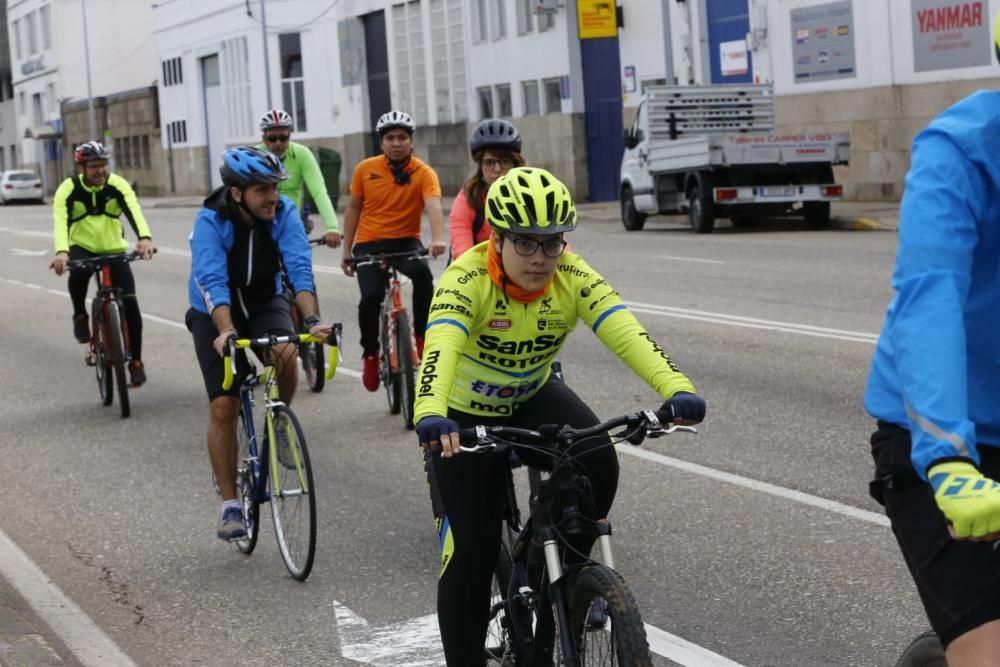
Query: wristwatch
{"x": 311, "y": 321}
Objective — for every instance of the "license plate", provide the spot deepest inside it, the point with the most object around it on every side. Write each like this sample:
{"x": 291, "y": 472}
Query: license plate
{"x": 778, "y": 191}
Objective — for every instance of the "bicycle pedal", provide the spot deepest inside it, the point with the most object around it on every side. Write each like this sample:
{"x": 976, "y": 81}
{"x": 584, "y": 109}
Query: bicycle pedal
{"x": 90, "y": 360}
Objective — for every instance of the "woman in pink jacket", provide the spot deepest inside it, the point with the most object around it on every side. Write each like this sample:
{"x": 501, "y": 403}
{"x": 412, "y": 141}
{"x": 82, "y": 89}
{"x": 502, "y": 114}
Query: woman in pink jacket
{"x": 496, "y": 148}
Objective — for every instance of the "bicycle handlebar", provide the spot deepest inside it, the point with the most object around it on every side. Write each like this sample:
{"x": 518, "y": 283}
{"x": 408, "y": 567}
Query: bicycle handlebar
{"x": 103, "y": 260}
{"x": 234, "y": 343}
{"x": 383, "y": 257}
{"x": 649, "y": 423}
{"x": 319, "y": 241}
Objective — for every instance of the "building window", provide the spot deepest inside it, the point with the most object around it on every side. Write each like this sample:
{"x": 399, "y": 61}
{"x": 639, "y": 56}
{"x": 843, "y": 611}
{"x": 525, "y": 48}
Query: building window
{"x": 525, "y": 16}
{"x": 529, "y": 91}
{"x": 17, "y": 38}
{"x": 6, "y": 88}
{"x": 485, "y": 96}
{"x": 22, "y": 107}
{"x": 236, "y": 79}
{"x": 46, "y": 13}
{"x": 120, "y": 155}
{"x": 504, "y": 107}
{"x": 146, "y": 163}
{"x": 553, "y": 100}
{"x": 480, "y": 27}
{"x": 173, "y": 74}
{"x": 546, "y": 21}
{"x": 411, "y": 67}
{"x": 448, "y": 53}
{"x": 38, "y": 113}
{"x": 50, "y": 90}
{"x": 293, "y": 93}
{"x": 498, "y": 18}
{"x": 29, "y": 25}
{"x": 177, "y": 132}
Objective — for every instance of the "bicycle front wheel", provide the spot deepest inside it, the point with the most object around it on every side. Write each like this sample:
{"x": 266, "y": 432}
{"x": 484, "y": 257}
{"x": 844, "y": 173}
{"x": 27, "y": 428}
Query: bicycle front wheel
{"x": 313, "y": 364}
{"x": 390, "y": 375}
{"x": 293, "y": 497}
{"x": 246, "y": 484}
{"x": 404, "y": 352}
{"x": 117, "y": 353}
{"x": 102, "y": 365}
{"x": 604, "y": 620}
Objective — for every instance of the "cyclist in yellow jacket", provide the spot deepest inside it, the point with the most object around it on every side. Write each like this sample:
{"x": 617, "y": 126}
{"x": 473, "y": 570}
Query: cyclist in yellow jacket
{"x": 499, "y": 317}
{"x": 86, "y": 210}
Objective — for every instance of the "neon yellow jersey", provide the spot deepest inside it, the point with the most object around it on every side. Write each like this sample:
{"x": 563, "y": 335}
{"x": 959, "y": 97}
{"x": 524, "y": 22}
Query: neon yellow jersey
{"x": 303, "y": 173}
{"x": 90, "y": 217}
{"x": 484, "y": 354}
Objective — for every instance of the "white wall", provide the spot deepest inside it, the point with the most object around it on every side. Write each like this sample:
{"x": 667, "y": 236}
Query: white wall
{"x": 883, "y": 44}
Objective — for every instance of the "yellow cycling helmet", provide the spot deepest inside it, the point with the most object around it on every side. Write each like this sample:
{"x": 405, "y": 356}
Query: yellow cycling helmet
{"x": 529, "y": 200}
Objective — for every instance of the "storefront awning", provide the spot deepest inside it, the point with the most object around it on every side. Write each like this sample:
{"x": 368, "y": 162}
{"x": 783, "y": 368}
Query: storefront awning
{"x": 42, "y": 132}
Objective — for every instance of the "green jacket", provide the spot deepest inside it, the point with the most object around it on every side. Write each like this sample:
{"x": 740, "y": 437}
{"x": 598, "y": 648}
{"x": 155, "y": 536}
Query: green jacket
{"x": 303, "y": 170}
{"x": 89, "y": 217}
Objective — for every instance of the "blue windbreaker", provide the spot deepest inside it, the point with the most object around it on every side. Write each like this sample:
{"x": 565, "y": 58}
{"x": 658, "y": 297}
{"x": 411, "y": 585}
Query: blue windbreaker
{"x": 211, "y": 240}
{"x": 936, "y": 369}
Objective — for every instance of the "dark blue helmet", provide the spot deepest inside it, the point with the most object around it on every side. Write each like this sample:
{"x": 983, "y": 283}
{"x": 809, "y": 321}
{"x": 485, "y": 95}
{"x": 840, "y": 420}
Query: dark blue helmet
{"x": 243, "y": 165}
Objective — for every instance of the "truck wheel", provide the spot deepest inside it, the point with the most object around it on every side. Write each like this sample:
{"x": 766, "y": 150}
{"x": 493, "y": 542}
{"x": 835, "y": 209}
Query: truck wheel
{"x": 816, "y": 214}
{"x": 632, "y": 219}
{"x": 701, "y": 211}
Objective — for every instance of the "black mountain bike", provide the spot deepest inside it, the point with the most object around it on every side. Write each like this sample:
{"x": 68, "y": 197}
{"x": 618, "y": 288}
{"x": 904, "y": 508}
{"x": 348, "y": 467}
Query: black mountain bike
{"x": 552, "y": 603}
{"x": 110, "y": 349}
{"x": 312, "y": 354}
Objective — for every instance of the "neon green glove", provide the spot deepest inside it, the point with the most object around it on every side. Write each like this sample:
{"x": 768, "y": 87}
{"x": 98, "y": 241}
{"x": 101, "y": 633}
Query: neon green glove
{"x": 970, "y": 501}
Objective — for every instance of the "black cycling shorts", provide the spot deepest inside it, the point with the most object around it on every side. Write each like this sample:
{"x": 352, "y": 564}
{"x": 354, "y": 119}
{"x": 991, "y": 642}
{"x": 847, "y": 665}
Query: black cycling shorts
{"x": 274, "y": 317}
{"x": 958, "y": 581}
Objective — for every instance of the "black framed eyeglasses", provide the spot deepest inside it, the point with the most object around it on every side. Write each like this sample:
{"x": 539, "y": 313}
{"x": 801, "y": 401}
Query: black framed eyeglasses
{"x": 277, "y": 138}
{"x": 527, "y": 247}
{"x": 503, "y": 163}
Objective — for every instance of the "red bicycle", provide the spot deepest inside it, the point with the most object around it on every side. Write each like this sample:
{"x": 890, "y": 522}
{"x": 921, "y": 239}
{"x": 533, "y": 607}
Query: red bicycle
{"x": 399, "y": 359}
{"x": 110, "y": 349}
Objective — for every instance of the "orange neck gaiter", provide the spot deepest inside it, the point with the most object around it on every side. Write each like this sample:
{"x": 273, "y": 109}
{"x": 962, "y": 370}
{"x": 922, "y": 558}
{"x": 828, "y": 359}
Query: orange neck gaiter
{"x": 500, "y": 279}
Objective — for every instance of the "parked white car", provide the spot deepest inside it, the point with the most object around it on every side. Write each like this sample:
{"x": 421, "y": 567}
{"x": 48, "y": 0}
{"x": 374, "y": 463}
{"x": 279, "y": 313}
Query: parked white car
{"x": 20, "y": 186}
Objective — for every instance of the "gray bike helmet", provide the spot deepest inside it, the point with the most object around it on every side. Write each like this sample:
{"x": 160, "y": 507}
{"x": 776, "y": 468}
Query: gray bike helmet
{"x": 495, "y": 133}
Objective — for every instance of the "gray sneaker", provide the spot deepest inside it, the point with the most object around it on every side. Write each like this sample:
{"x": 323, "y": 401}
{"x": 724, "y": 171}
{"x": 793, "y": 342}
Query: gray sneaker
{"x": 284, "y": 449}
{"x": 231, "y": 528}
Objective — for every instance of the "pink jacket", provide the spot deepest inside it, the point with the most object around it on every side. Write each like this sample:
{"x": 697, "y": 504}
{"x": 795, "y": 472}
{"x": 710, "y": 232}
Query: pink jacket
{"x": 460, "y": 227}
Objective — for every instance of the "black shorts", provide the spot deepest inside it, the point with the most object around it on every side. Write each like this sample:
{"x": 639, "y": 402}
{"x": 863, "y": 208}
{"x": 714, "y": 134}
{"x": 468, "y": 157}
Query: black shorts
{"x": 958, "y": 581}
{"x": 273, "y": 317}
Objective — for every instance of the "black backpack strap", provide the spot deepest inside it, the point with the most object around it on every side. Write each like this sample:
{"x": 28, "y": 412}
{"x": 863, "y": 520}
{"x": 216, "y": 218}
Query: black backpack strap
{"x": 477, "y": 224}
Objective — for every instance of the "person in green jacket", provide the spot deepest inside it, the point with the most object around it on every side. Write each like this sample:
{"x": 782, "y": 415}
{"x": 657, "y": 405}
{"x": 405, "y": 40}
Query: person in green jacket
{"x": 86, "y": 211}
{"x": 303, "y": 170}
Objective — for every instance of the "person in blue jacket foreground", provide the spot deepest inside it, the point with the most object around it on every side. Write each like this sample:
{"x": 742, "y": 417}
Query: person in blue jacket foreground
{"x": 243, "y": 236}
{"x": 934, "y": 385}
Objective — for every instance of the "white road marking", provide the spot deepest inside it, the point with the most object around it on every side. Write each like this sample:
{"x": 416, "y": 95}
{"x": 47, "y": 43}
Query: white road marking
{"x": 682, "y": 651}
{"x": 22, "y": 252}
{"x": 752, "y": 322}
{"x": 757, "y": 485}
{"x": 674, "y": 258}
{"x": 74, "y": 628}
{"x": 414, "y": 642}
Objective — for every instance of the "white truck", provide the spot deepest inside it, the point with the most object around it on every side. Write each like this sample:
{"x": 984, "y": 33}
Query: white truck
{"x": 711, "y": 151}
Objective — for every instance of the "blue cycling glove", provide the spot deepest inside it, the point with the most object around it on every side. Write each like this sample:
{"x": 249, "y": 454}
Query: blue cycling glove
{"x": 686, "y": 406}
{"x": 430, "y": 429}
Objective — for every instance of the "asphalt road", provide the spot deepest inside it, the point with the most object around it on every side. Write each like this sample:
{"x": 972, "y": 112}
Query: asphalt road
{"x": 754, "y": 540}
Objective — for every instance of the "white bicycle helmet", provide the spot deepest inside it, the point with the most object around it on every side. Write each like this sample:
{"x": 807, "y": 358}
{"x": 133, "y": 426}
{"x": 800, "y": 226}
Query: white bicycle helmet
{"x": 393, "y": 119}
{"x": 275, "y": 118}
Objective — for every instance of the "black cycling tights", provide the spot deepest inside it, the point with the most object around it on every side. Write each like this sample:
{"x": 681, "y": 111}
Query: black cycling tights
{"x": 121, "y": 276}
{"x": 473, "y": 491}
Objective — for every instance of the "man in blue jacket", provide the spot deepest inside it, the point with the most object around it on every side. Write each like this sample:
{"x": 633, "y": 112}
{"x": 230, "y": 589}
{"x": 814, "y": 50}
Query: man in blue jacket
{"x": 242, "y": 237}
{"x": 934, "y": 385}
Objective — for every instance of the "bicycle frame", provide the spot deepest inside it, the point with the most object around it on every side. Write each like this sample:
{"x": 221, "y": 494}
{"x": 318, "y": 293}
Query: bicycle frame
{"x": 107, "y": 292}
{"x": 392, "y": 306}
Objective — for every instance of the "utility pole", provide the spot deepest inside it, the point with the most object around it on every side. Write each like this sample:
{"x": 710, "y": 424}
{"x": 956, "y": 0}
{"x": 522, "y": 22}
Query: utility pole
{"x": 90, "y": 92}
{"x": 267, "y": 62}
{"x": 668, "y": 44}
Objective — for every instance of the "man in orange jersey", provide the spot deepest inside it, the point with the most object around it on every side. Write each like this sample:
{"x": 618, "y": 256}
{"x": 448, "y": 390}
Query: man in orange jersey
{"x": 389, "y": 194}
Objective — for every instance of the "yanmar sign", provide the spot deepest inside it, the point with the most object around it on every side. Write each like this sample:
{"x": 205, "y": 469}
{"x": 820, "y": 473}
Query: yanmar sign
{"x": 950, "y": 35}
